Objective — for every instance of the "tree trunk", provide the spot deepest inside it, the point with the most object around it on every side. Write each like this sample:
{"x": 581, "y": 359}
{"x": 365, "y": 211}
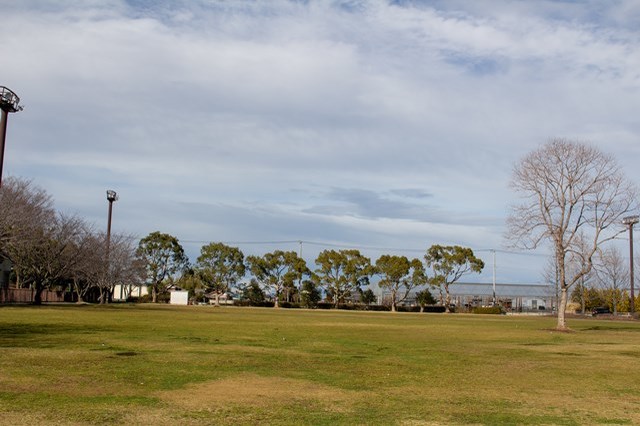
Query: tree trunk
{"x": 37, "y": 296}
{"x": 421, "y": 308}
{"x": 447, "y": 299}
{"x": 154, "y": 294}
{"x": 78, "y": 291}
{"x": 217, "y": 300}
{"x": 393, "y": 301}
{"x": 562, "y": 325}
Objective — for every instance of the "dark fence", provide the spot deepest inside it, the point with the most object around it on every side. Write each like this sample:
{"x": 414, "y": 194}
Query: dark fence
{"x": 26, "y": 295}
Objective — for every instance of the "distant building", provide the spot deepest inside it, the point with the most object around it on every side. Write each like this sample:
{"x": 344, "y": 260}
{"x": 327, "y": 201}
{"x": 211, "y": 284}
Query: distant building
{"x": 122, "y": 292}
{"x": 179, "y": 297}
{"x": 514, "y": 297}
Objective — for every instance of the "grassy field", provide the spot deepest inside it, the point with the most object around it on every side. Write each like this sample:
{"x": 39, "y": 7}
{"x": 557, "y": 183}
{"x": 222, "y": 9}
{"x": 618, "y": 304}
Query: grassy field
{"x": 201, "y": 365}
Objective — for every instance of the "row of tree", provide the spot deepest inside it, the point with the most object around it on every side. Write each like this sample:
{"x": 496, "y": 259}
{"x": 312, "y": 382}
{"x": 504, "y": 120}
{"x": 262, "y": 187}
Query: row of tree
{"x": 340, "y": 273}
{"x": 575, "y": 199}
{"x": 48, "y": 249}
{"x": 606, "y": 285}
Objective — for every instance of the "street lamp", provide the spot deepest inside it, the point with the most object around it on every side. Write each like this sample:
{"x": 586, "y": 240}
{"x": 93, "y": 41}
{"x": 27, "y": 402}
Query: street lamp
{"x": 9, "y": 102}
{"x": 630, "y": 221}
{"x": 111, "y": 197}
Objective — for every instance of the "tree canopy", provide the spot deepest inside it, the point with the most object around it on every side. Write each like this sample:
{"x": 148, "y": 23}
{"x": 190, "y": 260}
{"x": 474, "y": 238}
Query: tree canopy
{"x": 278, "y": 270}
{"x": 343, "y": 271}
{"x": 449, "y": 264}
{"x": 220, "y": 267}
{"x": 399, "y": 275}
{"x": 164, "y": 259}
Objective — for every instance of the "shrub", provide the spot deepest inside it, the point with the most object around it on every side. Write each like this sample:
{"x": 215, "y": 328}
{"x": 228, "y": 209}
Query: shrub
{"x": 438, "y": 309}
{"x": 408, "y": 308}
{"x": 489, "y": 310}
{"x": 324, "y": 305}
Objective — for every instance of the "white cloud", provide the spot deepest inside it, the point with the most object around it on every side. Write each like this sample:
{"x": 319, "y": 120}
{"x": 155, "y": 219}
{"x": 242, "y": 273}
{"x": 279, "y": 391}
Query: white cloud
{"x": 235, "y": 120}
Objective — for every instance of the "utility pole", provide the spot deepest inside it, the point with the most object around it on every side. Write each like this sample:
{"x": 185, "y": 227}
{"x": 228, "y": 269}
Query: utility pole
{"x": 494, "y": 277}
{"x": 300, "y": 279}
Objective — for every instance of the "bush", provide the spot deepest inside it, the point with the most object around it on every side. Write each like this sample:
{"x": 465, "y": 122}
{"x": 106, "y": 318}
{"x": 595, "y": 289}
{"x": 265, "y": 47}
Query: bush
{"x": 408, "y": 308}
{"x": 162, "y": 298}
{"x": 487, "y": 310}
{"x": 437, "y": 309}
{"x": 246, "y": 302}
{"x": 378, "y": 308}
{"x": 289, "y": 305}
{"x": 324, "y": 305}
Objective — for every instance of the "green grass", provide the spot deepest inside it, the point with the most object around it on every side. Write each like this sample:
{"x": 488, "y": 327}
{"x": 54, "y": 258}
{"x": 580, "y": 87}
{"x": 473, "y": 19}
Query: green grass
{"x": 201, "y": 365}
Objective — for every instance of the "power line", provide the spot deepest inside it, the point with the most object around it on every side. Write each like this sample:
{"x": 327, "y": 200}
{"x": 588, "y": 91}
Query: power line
{"x": 340, "y": 246}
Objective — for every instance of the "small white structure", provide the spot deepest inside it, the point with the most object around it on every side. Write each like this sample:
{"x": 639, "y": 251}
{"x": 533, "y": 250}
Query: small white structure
{"x": 179, "y": 297}
{"x": 123, "y": 292}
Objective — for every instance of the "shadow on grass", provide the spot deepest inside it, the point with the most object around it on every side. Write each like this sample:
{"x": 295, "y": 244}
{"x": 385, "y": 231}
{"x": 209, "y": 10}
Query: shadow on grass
{"x": 42, "y": 335}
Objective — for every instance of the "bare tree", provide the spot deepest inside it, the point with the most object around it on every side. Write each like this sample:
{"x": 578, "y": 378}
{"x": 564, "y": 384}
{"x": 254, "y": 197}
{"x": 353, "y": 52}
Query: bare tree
{"x": 569, "y": 189}
{"x": 576, "y": 261}
{"x": 550, "y": 275}
{"x": 51, "y": 255}
{"x": 25, "y": 210}
{"x": 613, "y": 276}
{"x": 89, "y": 267}
{"x": 125, "y": 267}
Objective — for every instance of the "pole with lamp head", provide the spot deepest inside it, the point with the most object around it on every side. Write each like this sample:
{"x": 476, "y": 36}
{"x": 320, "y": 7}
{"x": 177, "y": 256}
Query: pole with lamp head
{"x": 111, "y": 197}
{"x": 9, "y": 102}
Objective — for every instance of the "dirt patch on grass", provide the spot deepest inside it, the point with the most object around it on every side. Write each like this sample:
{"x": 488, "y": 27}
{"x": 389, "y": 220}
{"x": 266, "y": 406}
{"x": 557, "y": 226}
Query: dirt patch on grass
{"x": 250, "y": 390}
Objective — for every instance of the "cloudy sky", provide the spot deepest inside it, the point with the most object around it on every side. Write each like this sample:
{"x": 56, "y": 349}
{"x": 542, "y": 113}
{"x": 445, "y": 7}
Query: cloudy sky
{"x": 382, "y": 125}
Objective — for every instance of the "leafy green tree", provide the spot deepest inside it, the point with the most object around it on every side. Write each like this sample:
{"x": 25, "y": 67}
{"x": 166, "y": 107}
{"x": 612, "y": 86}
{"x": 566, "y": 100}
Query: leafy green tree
{"x": 368, "y": 297}
{"x": 588, "y": 297}
{"x": 400, "y": 275}
{"x": 277, "y": 270}
{"x": 191, "y": 281}
{"x": 449, "y": 264}
{"x": 424, "y": 298}
{"x": 164, "y": 259}
{"x": 341, "y": 272}
{"x": 253, "y": 293}
{"x": 309, "y": 294}
{"x": 220, "y": 267}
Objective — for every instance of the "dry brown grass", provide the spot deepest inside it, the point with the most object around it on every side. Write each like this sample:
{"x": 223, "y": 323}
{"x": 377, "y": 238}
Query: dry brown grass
{"x": 253, "y": 391}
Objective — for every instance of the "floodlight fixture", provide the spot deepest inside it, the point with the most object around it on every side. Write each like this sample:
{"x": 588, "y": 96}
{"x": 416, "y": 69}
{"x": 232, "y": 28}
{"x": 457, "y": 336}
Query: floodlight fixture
{"x": 112, "y": 195}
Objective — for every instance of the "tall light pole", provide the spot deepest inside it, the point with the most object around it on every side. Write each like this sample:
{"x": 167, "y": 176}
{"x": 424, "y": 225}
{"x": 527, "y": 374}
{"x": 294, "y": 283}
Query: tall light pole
{"x": 630, "y": 221}
{"x": 111, "y": 197}
{"x": 9, "y": 102}
{"x": 494, "y": 277}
